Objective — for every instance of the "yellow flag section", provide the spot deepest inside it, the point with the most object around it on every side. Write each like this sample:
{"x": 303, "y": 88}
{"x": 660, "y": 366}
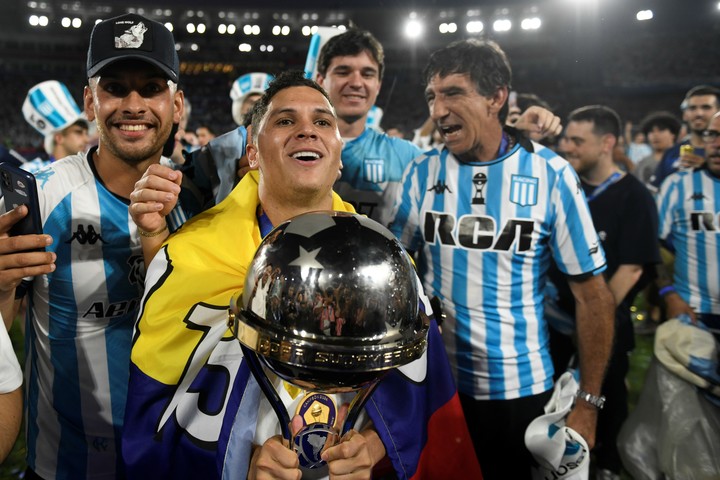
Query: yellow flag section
{"x": 190, "y": 282}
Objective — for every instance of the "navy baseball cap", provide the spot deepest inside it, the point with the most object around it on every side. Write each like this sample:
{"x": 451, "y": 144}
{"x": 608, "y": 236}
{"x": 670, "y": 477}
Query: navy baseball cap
{"x": 132, "y": 36}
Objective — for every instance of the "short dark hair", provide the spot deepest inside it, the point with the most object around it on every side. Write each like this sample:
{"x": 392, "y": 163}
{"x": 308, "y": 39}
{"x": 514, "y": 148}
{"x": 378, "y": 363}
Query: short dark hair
{"x": 287, "y": 79}
{"x": 703, "y": 90}
{"x": 662, "y": 120}
{"x": 605, "y": 119}
{"x": 351, "y": 43}
{"x": 206, "y": 127}
{"x": 485, "y": 62}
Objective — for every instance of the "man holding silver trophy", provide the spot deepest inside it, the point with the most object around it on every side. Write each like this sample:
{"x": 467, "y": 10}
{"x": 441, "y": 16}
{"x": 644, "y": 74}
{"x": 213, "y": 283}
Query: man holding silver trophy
{"x": 341, "y": 312}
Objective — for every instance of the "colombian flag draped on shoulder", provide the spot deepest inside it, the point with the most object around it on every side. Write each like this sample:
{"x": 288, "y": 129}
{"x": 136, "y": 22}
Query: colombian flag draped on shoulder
{"x": 190, "y": 392}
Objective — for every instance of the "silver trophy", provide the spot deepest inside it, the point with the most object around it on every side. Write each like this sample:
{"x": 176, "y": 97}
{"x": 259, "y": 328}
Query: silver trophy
{"x": 330, "y": 305}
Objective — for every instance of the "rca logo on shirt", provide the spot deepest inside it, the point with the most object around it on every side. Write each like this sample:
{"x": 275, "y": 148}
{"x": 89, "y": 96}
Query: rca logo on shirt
{"x": 704, "y": 221}
{"x": 477, "y": 232}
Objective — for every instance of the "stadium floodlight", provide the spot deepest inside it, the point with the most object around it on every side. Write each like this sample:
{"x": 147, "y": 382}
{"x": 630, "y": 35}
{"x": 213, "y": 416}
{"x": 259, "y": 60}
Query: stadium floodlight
{"x": 190, "y": 27}
{"x": 43, "y": 21}
{"x": 306, "y": 30}
{"x": 285, "y": 30}
{"x": 247, "y": 29}
{"x": 413, "y": 28}
{"x": 65, "y": 22}
{"x": 244, "y": 47}
{"x": 231, "y": 29}
{"x": 474, "y": 26}
{"x": 169, "y": 26}
{"x": 256, "y": 29}
{"x": 532, "y": 23}
{"x": 194, "y": 47}
{"x": 270, "y": 48}
{"x": 222, "y": 29}
{"x": 643, "y": 15}
{"x": 502, "y": 25}
{"x": 448, "y": 27}
{"x": 201, "y": 28}
{"x": 76, "y": 22}
{"x": 276, "y": 30}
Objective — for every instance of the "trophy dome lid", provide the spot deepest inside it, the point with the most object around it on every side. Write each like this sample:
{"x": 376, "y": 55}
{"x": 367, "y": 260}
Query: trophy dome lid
{"x": 331, "y": 301}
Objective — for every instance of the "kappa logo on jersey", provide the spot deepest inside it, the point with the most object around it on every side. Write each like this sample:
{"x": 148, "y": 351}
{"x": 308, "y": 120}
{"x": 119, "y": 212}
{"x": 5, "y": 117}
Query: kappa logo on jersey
{"x": 704, "y": 221}
{"x": 439, "y": 188}
{"x": 477, "y": 232}
{"x": 84, "y": 237}
{"x": 43, "y": 176}
{"x": 201, "y": 397}
{"x": 100, "y": 444}
{"x": 374, "y": 170}
{"x": 524, "y": 190}
{"x": 697, "y": 196}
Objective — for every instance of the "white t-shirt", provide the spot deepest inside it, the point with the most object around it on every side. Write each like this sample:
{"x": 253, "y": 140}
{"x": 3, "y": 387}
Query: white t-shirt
{"x": 10, "y": 373}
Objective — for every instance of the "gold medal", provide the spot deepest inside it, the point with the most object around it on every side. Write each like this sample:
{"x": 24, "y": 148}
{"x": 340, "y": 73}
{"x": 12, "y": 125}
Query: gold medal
{"x": 317, "y": 408}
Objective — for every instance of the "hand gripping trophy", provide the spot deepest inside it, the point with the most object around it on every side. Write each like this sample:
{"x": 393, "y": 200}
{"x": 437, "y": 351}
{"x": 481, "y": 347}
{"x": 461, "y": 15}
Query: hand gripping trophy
{"x": 330, "y": 305}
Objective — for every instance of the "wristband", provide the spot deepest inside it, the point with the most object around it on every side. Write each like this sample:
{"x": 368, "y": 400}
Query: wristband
{"x": 594, "y": 400}
{"x": 152, "y": 234}
{"x": 665, "y": 290}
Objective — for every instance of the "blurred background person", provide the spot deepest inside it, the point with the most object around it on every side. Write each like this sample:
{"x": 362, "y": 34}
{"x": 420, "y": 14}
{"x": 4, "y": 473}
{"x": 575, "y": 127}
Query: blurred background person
{"x": 661, "y": 129}
{"x": 51, "y": 110}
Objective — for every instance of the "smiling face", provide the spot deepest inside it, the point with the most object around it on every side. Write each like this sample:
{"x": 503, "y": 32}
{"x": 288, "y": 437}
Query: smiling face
{"x": 353, "y": 84}
{"x": 135, "y": 108}
{"x": 297, "y": 149}
{"x": 468, "y": 121}
{"x": 584, "y": 149}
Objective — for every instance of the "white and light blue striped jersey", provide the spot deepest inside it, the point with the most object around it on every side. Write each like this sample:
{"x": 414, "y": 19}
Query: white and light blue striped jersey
{"x": 485, "y": 234}
{"x": 373, "y": 165}
{"x": 34, "y": 166}
{"x": 689, "y": 211}
{"x": 79, "y": 326}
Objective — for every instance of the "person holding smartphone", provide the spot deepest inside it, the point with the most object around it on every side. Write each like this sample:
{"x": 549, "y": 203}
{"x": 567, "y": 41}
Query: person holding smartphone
{"x": 85, "y": 286}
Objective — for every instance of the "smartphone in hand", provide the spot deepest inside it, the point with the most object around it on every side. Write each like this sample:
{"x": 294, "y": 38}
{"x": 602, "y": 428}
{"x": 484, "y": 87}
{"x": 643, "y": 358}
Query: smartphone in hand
{"x": 19, "y": 188}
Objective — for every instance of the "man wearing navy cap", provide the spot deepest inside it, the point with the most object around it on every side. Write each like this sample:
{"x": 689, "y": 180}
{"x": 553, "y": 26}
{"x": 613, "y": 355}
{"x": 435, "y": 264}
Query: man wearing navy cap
{"x": 87, "y": 277}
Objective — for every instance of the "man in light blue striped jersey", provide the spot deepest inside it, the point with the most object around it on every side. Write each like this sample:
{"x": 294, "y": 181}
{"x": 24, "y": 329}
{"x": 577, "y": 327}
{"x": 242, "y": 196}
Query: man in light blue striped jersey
{"x": 689, "y": 211}
{"x": 485, "y": 214}
{"x": 86, "y": 271}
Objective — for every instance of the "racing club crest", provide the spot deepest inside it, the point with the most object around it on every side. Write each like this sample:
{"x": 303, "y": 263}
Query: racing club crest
{"x": 374, "y": 169}
{"x": 524, "y": 190}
